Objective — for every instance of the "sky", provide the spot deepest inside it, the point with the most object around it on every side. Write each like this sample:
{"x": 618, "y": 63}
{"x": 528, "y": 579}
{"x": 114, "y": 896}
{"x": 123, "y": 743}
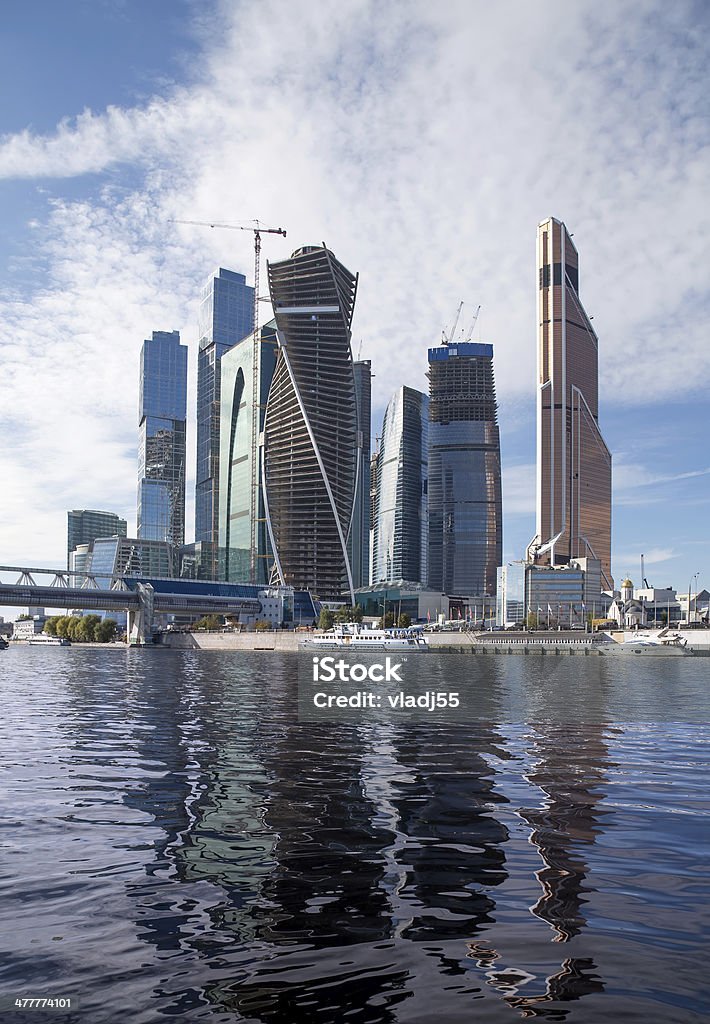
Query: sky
{"x": 422, "y": 143}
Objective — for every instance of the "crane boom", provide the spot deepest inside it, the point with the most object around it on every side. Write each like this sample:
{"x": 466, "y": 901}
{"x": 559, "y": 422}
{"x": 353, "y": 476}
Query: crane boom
{"x": 233, "y": 227}
{"x": 473, "y": 323}
{"x": 257, "y": 231}
{"x": 446, "y": 340}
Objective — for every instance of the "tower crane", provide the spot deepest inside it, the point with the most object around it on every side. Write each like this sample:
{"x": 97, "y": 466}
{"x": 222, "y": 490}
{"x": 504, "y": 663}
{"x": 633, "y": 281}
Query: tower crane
{"x": 446, "y": 340}
{"x": 257, "y": 231}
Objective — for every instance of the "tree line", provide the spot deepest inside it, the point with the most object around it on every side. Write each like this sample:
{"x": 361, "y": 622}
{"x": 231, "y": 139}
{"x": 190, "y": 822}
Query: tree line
{"x": 82, "y": 628}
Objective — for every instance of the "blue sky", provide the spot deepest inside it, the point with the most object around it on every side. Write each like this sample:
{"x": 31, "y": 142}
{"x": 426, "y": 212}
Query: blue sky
{"x": 423, "y": 143}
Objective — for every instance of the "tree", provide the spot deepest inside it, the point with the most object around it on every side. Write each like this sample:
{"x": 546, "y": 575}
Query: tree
{"x": 77, "y": 630}
{"x": 23, "y": 618}
{"x": 208, "y": 622}
{"x": 325, "y": 619}
{"x": 404, "y": 621}
{"x": 261, "y": 625}
{"x": 349, "y": 614}
{"x": 531, "y": 620}
{"x": 85, "y": 629}
{"x": 50, "y": 626}
{"x": 62, "y": 626}
{"x": 388, "y": 621}
{"x": 105, "y": 632}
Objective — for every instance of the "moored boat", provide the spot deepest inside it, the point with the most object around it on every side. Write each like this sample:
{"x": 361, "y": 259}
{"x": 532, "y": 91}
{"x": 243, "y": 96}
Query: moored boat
{"x": 352, "y": 636}
{"x": 49, "y": 641}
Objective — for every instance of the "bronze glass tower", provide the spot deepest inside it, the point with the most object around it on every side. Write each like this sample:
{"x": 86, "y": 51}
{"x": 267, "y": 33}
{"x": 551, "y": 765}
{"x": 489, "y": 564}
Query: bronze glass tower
{"x": 573, "y": 462}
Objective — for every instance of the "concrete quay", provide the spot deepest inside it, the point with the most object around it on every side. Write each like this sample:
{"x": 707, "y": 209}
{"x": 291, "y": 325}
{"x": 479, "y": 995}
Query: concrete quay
{"x": 540, "y": 642}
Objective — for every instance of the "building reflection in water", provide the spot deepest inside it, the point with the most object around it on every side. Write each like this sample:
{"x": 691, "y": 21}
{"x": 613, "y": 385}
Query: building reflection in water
{"x": 570, "y": 771}
{"x": 570, "y": 765}
{"x": 352, "y": 865}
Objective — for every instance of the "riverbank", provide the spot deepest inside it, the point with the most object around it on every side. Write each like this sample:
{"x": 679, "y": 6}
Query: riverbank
{"x": 698, "y": 640}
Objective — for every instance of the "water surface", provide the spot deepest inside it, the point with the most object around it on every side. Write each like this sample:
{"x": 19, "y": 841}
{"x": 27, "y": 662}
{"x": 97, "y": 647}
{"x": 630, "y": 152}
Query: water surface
{"x": 175, "y": 843}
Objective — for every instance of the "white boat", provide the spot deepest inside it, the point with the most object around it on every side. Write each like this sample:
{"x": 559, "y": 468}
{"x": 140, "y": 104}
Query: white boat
{"x": 662, "y": 644}
{"x": 352, "y": 636}
{"x": 49, "y": 641}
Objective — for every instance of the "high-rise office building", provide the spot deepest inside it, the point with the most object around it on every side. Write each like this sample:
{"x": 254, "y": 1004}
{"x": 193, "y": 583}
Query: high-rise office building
{"x": 573, "y": 462}
{"x": 162, "y": 418}
{"x": 401, "y": 525}
{"x": 311, "y": 425}
{"x": 373, "y": 506}
{"x": 465, "y": 516}
{"x": 84, "y": 525}
{"x": 244, "y": 549}
{"x": 226, "y": 316}
{"x": 359, "y": 539}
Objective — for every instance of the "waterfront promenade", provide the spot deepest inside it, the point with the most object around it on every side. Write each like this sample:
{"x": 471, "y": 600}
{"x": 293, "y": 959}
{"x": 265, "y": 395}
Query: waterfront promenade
{"x": 285, "y": 640}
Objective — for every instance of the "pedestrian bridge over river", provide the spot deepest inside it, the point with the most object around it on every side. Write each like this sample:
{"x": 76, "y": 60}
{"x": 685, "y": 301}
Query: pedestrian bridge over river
{"x": 141, "y": 597}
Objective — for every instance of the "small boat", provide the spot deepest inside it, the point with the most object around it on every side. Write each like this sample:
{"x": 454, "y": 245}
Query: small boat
{"x": 3, "y": 644}
{"x": 352, "y": 636}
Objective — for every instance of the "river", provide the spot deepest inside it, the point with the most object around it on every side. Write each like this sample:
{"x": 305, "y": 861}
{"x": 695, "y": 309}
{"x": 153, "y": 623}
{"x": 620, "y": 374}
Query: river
{"x": 177, "y": 844}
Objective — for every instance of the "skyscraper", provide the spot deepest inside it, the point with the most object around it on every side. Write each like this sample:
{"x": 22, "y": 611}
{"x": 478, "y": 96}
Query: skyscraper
{"x": 239, "y": 465}
{"x": 573, "y": 462}
{"x": 84, "y": 525}
{"x": 162, "y": 415}
{"x": 359, "y": 539}
{"x": 465, "y": 516}
{"x": 401, "y": 526}
{"x": 311, "y": 425}
{"x": 226, "y": 316}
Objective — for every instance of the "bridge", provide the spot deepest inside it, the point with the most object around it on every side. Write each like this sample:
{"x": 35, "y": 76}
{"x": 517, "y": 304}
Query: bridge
{"x": 140, "y": 597}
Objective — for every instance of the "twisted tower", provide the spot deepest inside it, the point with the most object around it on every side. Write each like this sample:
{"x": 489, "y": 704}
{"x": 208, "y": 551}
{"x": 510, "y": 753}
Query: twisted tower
{"x": 311, "y": 429}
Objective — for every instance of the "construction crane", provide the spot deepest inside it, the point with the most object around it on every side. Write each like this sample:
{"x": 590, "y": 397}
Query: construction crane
{"x": 446, "y": 340}
{"x": 257, "y": 231}
{"x": 473, "y": 323}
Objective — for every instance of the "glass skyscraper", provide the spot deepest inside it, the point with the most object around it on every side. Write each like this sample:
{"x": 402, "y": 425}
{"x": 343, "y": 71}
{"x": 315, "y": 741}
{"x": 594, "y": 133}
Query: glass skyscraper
{"x": 465, "y": 515}
{"x": 400, "y": 519}
{"x": 84, "y": 525}
{"x": 240, "y": 466}
{"x": 161, "y": 449}
{"x": 573, "y": 462}
{"x": 226, "y": 316}
{"x": 359, "y": 539}
{"x": 311, "y": 426}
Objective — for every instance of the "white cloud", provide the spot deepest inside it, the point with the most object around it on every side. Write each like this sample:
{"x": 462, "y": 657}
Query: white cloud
{"x": 423, "y": 144}
{"x": 518, "y": 485}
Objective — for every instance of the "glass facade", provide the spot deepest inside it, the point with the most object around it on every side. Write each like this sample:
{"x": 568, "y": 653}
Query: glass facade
{"x": 131, "y": 556}
{"x": 161, "y": 447}
{"x": 574, "y": 464}
{"x": 359, "y": 538}
{"x": 465, "y": 514}
{"x": 311, "y": 424}
{"x": 554, "y": 596}
{"x": 226, "y": 316}
{"x": 85, "y": 525}
{"x": 510, "y": 594}
{"x": 239, "y": 466}
{"x": 400, "y": 519}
